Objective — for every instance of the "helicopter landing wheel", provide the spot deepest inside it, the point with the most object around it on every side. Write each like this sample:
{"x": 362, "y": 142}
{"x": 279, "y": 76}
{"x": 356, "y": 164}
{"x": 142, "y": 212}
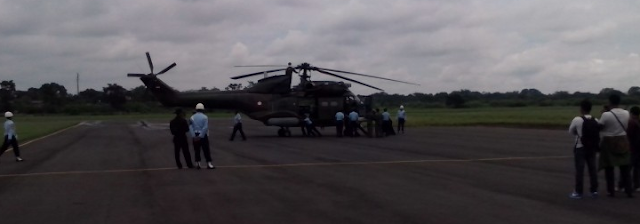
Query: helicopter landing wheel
{"x": 282, "y": 132}
{"x": 287, "y": 132}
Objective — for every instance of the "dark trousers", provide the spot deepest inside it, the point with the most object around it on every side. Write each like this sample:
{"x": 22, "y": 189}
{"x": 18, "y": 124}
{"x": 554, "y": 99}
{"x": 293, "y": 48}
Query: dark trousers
{"x": 13, "y": 142}
{"x": 339, "y": 128}
{"x": 203, "y": 144}
{"x": 635, "y": 165}
{"x": 354, "y": 128}
{"x": 237, "y": 127}
{"x": 625, "y": 179}
{"x": 180, "y": 143}
{"x": 584, "y": 157}
{"x": 312, "y": 131}
{"x": 400, "y": 125}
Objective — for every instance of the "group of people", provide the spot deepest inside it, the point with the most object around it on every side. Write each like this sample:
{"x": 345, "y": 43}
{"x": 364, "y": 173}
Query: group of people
{"x": 348, "y": 126}
{"x": 616, "y": 138}
{"x": 198, "y": 128}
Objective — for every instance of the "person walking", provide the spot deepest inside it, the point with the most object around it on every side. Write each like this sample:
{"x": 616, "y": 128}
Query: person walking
{"x": 311, "y": 129}
{"x": 10, "y": 137}
{"x": 587, "y": 138}
{"x": 199, "y": 130}
{"x": 633, "y": 133}
{"x": 179, "y": 127}
{"x": 339, "y": 123}
{"x": 402, "y": 116}
{"x": 237, "y": 120}
{"x": 353, "y": 123}
{"x": 615, "y": 146}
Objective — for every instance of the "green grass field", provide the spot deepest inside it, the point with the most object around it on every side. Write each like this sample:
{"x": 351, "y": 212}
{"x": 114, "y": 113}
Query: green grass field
{"x": 32, "y": 127}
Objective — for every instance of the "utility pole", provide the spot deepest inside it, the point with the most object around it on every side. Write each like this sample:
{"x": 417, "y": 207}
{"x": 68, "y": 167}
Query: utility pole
{"x": 77, "y": 83}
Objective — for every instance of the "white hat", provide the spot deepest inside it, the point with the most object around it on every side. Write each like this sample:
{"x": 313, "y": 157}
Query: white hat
{"x": 199, "y": 106}
{"x": 8, "y": 114}
{"x": 401, "y": 107}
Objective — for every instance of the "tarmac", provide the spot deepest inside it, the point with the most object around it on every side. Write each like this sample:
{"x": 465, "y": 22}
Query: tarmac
{"x": 124, "y": 172}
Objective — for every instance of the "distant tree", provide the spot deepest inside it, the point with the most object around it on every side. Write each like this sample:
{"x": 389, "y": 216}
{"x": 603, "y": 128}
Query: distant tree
{"x": 233, "y": 86}
{"x": 454, "y": 100}
{"x": 53, "y": 94}
{"x": 250, "y": 84}
{"x": 141, "y": 94}
{"x": 606, "y": 92}
{"x": 203, "y": 89}
{"x": 530, "y": 93}
{"x": 7, "y": 95}
{"x": 215, "y": 89}
{"x": 634, "y": 91}
{"x": 90, "y": 96}
{"x": 115, "y": 95}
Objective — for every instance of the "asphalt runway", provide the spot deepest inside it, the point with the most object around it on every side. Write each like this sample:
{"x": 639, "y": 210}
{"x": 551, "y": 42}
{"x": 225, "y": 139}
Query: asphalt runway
{"x": 119, "y": 172}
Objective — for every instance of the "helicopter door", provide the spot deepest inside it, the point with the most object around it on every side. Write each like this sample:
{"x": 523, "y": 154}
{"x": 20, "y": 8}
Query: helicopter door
{"x": 328, "y": 107}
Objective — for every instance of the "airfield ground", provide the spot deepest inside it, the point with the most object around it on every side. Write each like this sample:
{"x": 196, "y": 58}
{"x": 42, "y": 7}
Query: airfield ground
{"x": 124, "y": 172}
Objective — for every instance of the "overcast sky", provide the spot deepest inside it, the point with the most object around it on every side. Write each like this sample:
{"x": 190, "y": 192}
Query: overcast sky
{"x": 444, "y": 45}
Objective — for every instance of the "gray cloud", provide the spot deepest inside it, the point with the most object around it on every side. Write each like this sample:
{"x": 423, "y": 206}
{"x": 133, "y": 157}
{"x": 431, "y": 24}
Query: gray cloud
{"x": 500, "y": 45}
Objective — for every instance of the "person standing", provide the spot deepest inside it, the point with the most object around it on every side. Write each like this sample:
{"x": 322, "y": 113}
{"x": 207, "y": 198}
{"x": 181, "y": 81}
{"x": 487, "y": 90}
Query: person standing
{"x": 615, "y": 146}
{"x": 10, "y": 137}
{"x": 237, "y": 120}
{"x": 402, "y": 116}
{"x": 633, "y": 133}
{"x": 339, "y": 123}
{"x": 179, "y": 127}
{"x": 353, "y": 123}
{"x": 587, "y": 132}
{"x": 199, "y": 130}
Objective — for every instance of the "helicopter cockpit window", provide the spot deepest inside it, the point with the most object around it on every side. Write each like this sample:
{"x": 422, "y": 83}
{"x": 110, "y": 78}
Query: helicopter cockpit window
{"x": 334, "y": 103}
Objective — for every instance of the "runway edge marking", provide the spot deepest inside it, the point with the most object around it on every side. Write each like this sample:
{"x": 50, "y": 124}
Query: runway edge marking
{"x": 290, "y": 165}
{"x": 46, "y": 136}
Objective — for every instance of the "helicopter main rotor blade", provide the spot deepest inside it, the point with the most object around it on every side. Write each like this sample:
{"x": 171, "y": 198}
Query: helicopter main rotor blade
{"x": 135, "y": 75}
{"x": 348, "y": 79}
{"x": 371, "y": 76}
{"x": 257, "y": 73}
{"x": 167, "y": 69}
{"x": 150, "y": 63}
{"x": 251, "y": 66}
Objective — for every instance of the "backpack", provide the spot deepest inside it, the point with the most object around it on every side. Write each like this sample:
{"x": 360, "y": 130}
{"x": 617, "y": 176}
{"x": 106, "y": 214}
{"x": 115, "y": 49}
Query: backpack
{"x": 590, "y": 134}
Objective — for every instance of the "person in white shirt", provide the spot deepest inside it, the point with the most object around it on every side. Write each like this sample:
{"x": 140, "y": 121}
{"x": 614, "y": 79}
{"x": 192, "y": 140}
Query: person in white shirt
{"x": 615, "y": 146}
{"x": 402, "y": 116}
{"x": 237, "y": 126}
{"x": 311, "y": 129}
{"x": 10, "y": 137}
{"x": 353, "y": 123}
{"x": 387, "y": 125}
{"x": 339, "y": 123}
{"x": 199, "y": 130}
{"x": 585, "y": 155}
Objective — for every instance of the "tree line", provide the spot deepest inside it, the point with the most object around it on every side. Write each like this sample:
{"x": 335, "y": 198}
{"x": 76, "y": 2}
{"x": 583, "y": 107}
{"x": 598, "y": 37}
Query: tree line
{"x": 53, "y": 98}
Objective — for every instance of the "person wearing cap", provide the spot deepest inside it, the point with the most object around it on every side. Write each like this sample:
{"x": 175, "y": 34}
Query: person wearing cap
{"x": 10, "y": 137}
{"x": 199, "y": 131}
{"x": 290, "y": 70}
{"x": 237, "y": 126}
{"x": 179, "y": 127}
{"x": 402, "y": 116}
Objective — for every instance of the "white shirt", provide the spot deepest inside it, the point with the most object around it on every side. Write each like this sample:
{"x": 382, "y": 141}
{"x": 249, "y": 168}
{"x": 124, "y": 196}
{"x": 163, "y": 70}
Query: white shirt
{"x": 611, "y": 125}
{"x": 402, "y": 114}
{"x": 199, "y": 124}
{"x": 386, "y": 116}
{"x": 353, "y": 116}
{"x": 10, "y": 129}
{"x": 308, "y": 121}
{"x": 339, "y": 116}
{"x": 576, "y": 129}
{"x": 237, "y": 119}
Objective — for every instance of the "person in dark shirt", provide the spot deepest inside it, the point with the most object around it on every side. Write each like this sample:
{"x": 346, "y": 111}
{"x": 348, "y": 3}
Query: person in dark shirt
{"x": 179, "y": 127}
{"x": 633, "y": 134}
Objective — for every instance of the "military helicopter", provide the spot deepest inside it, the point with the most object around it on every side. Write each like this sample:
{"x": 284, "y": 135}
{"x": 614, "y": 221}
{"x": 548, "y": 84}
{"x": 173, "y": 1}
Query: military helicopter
{"x": 272, "y": 100}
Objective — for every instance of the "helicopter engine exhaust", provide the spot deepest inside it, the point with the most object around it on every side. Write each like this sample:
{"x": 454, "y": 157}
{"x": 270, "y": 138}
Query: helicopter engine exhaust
{"x": 283, "y": 122}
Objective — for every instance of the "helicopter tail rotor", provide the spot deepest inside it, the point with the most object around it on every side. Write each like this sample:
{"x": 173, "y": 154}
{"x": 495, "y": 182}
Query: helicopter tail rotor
{"x": 151, "y": 67}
